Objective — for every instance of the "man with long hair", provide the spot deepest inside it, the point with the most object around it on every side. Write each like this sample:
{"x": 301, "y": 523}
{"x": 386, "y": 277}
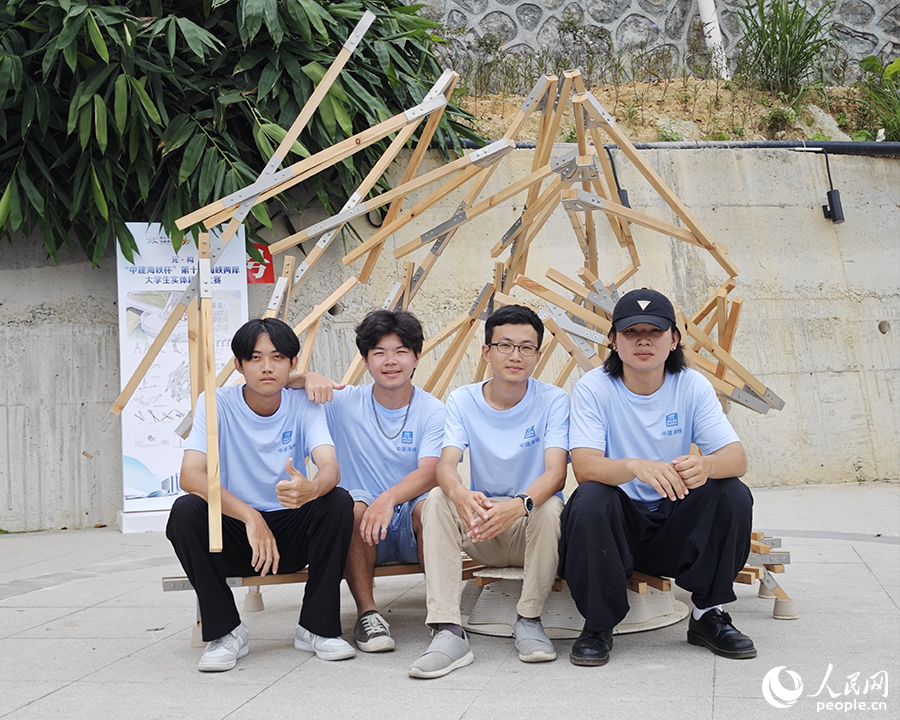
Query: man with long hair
{"x": 643, "y": 501}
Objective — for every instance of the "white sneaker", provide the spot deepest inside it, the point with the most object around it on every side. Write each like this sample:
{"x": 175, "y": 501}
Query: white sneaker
{"x": 446, "y": 653}
{"x": 327, "y": 648}
{"x": 222, "y": 653}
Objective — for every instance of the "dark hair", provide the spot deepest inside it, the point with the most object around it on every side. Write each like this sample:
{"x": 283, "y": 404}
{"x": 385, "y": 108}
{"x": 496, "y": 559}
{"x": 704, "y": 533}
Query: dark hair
{"x": 280, "y": 333}
{"x": 513, "y": 315}
{"x": 675, "y": 362}
{"x": 379, "y": 323}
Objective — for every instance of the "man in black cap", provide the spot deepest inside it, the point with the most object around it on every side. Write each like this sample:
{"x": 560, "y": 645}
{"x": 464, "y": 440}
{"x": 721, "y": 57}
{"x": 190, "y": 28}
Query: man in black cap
{"x": 643, "y": 502}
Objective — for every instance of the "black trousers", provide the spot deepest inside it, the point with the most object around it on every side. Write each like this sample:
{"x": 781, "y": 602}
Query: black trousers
{"x": 702, "y": 542}
{"x": 316, "y": 534}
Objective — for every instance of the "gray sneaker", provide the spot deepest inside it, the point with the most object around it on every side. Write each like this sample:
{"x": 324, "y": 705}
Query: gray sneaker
{"x": 532, "y": 642}
{"x": 446, "y": 653}
{"x": 372, "y": 632}
{"x": 222, "y": 653}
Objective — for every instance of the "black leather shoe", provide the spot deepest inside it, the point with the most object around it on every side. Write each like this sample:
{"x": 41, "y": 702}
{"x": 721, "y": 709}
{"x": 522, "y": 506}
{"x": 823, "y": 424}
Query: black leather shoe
{"x": 592, "y": 648}
{"x": 715, "y": 631}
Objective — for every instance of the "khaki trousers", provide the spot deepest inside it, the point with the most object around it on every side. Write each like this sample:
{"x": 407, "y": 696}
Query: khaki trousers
{"x": 531, "y": 543}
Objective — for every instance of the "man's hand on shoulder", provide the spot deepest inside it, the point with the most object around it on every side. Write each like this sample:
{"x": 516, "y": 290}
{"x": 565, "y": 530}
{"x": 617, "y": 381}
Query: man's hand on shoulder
{"x": 298, "y": 490}
{"x": 319, "y": 389}
{"x": 661, "y": 476}
{"x": 375, "y": 520}
{"x": 262, "y": 543}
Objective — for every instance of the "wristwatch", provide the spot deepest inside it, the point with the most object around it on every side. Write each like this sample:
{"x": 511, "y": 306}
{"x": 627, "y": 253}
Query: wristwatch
{"x": 529, "y": 503}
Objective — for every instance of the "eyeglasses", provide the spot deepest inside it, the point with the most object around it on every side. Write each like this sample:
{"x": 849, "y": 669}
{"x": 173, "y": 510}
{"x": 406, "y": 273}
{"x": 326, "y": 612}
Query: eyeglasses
{"x": 507, "y": 348}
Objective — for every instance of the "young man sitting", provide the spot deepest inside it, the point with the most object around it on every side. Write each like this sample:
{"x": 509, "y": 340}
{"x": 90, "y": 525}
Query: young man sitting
{"x": 516, "y": 431}
{"x": 643, "y": 502}
{"x": 388, "y": 439}
{"x": 273, "y": 518}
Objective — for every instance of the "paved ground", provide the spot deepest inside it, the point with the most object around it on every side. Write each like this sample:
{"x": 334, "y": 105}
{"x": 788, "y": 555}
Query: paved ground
{"x": 86, "y": 632}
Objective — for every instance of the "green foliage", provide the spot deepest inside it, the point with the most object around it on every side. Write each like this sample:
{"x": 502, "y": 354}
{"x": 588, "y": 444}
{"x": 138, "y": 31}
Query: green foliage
{"x": 668, "y": 133}
{"x": 881, "y": 86}
{"x": 147, "y": 109}
{"x": 782, "y": 43}
{"x": 779, "y": 118}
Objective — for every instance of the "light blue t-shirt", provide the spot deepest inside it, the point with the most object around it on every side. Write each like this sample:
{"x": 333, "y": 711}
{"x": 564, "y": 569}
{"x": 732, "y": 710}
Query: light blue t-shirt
{"x": 370, "y": 462}
{"x": 506, "y": 447}
{"x": 253, "y": 449}
{"x": 607, "y": 416}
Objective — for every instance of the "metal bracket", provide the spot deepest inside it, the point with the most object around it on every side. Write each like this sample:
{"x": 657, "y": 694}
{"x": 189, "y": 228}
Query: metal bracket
{"x": 512, "y": 232}
{"x": 758, "y": 559}
{"x": 749, "y": 400}
{"x": 584, "y": 201}
{"x": 563, "y": 161}
{"x": 488, "y": 288}
{"x": 257, "y": 188}
{"x": 357, "y": 34}
{"x": 770, "y": 398}
{"x": 456, "y": 219}
{"x": 595, "y": 103}
{"x": 535, "y": 92}
{"x": 277, "y": 294}
{"x": 602, "y": 297}
{"x": 391, "y": 299}
{"x": 426, "y": 107}
{"x": 577, "y": 333}
{"x": 490, "y": 154}
{"x": 440, "y": 85}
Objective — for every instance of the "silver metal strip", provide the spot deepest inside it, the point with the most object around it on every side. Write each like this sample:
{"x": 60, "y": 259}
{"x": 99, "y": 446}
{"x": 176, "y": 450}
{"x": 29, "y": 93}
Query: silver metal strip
{"x": 355, "y": 37}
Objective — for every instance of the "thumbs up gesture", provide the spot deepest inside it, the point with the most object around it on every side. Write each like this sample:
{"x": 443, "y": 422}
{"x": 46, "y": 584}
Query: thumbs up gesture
{"x": 297, "y": 490}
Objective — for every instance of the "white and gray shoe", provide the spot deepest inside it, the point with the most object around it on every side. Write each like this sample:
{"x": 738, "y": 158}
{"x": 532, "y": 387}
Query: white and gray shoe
{"x": 446, "y": 653}
{"x": 326, "y": 648}
{"x": 532, "y": 642}
{"x": 372, "y": 633}
{"x": 222, "y": 653}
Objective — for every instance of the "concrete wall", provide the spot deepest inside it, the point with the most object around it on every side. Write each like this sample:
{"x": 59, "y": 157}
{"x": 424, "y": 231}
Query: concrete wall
{"x": 862, "y": 28}
{"x": 820, "y": 322}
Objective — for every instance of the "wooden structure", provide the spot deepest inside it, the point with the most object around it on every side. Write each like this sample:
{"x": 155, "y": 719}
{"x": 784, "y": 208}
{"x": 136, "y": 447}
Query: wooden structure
{"x": 582, "y": 183}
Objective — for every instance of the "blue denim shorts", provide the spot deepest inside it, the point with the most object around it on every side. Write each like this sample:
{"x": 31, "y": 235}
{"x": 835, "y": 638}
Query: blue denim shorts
{"x": 400, "y": 544}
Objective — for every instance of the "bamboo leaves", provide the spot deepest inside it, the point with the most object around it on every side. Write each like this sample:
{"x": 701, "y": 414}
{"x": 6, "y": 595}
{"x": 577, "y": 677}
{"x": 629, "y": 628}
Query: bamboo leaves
{"x": 143, "y": 110}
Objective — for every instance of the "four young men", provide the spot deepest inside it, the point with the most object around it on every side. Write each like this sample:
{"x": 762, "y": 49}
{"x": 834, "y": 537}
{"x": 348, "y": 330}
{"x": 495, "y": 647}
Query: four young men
{"x": 643, "y": 502}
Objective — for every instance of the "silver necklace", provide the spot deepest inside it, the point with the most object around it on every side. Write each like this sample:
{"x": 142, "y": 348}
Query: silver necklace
{"x": 405, "y": 417}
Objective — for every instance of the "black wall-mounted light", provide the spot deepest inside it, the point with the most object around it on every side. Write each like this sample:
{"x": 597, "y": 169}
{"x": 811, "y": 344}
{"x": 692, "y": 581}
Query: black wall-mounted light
{"x": 833, "y": 210}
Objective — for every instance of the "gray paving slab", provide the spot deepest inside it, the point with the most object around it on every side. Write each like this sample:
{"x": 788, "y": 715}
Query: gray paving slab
{"x": 86, "y": 632}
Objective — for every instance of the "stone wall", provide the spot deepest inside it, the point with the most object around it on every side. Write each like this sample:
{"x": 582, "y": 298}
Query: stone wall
{"x": 863, "y": 28}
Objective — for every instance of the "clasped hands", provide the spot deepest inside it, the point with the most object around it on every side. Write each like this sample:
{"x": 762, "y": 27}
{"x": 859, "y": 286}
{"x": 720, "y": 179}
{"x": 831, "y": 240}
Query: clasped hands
{"x": 482, "y": 518}
{"x": 673, "y": 479}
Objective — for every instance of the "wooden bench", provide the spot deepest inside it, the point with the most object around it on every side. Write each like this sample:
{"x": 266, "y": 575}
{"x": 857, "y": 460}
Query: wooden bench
{"x": 253, "y": 602}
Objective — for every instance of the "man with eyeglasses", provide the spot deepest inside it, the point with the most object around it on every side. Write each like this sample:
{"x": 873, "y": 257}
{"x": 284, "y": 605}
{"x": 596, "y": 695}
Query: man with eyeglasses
{"x": 516, "y": 430}
{"x": 643, "y": 501}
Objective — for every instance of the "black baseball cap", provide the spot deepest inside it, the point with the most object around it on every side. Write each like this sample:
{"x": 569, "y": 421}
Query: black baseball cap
{"x": 643, "y": 306}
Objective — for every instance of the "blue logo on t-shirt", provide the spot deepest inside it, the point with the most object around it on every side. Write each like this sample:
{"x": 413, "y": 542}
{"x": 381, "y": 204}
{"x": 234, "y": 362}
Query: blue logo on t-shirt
{"x": 672, "y": 420}
{"x": 407, "y": 437}
{"x": 529, "y": 433}
{"x": 286, "y": 437}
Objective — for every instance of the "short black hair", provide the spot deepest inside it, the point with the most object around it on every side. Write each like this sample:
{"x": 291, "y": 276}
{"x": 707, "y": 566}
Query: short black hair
{"x": 675, "y": 362}
{"x": 379, "y": 323}
{"x": 513, "y": 315}
{"x": 280, "y": 333}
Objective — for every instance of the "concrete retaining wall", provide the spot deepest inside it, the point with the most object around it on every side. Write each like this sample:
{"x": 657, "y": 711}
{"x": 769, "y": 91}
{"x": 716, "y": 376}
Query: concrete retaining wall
{"x": 820, "y": 321}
